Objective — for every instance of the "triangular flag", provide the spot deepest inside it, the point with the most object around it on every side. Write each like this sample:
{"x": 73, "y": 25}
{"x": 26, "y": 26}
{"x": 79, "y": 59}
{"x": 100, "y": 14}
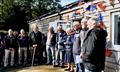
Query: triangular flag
{"x": 92, "y": 7}
{"x": 101, "y": 6}
{"x": 86, "y": 7}
{"x": 100, "y": 17}
{"x": 74, "y": 15}
{"x": 112, "y": 2}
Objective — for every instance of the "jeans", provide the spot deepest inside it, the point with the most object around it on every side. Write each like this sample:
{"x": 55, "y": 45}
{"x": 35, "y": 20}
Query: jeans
{"x": 79, "y": 66}
{"x": 7, "y": 52}
{"x": 86, "y": 70}
{"x": 22, "y": 50}
{"x": 50, "y": 54}
{"x": 59, "y": 56}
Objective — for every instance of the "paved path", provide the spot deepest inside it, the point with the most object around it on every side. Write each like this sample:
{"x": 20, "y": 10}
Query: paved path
{"x": 43, "y": 68}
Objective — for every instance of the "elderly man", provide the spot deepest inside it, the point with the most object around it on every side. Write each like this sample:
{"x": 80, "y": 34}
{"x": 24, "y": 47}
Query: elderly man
{"x": 77, "y": 47}
{"x": 60, "y": 47}
{"x": 93, "y": 49}
{"x": 36, "y": 39}
{"x": 9, "y": 48}
{"x": 23, "y": 41}
{"x": 83, "y": 30}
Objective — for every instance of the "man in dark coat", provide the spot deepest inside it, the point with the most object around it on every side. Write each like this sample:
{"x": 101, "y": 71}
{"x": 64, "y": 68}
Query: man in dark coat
{"x": 93, "y": 48}
{"x": 36, "y": 39}
{"x": 10, "y": 44}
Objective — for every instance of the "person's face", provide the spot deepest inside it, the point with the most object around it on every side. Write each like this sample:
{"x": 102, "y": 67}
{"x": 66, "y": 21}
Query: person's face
{"x": 59, "y": 29}
{"x": 91, "y": 24}
{"x": 76, "y": 25}
{"x": 88, "y": 24}
{"x": 22, "y": 32}
{"x": 68, "y": 32}
{"x": 84, "y": 24}
{"x": 10, "y": 32}
{"x": 35, "y": 29}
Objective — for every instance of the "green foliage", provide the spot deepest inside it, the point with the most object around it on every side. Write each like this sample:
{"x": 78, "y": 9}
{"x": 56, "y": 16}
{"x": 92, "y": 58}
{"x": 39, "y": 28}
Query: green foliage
{"x": 16, "y": 13}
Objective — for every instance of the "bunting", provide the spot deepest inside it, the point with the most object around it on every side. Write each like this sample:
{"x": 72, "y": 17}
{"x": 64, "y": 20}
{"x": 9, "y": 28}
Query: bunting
{"x": 86, "y": 7}
{"x": 101, "y": 6}
{"x": 112, "y": 2}
{"x": 100, "y": 17}
{"x": 93, "y": 7}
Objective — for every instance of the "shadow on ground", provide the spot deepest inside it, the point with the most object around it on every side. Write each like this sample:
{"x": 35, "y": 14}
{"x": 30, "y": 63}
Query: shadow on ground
{"x": 42, "y": 68}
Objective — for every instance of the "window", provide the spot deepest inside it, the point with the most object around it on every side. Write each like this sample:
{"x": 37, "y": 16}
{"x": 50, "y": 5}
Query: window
{"x": 116, "y": 29}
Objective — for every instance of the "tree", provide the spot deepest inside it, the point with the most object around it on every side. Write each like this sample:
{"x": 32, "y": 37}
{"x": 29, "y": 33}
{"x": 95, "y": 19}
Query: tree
{"x": 16, "y": 13}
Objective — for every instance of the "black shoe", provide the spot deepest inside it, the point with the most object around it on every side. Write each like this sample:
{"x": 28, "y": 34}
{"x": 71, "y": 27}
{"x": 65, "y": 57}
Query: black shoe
{"x": 68, "y": 69}
{"x": 55, "y": 65}
{"x": 62, "y": 66}
{"x": 48, "y": 63}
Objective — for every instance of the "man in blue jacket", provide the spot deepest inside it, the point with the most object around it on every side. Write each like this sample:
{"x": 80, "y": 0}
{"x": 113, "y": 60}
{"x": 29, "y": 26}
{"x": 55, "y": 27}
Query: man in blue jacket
{"x": 60, "y": 47}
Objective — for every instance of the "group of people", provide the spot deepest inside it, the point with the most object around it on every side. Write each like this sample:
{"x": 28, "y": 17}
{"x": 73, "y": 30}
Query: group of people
{"x": 82, "y": 46}
{"x": 19, "y": 49}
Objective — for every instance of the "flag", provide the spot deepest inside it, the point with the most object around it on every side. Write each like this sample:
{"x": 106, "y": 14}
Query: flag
{"x": 92, "y": 7}
{"x": 86, "y": 7}
{"x": 74, "y": 15}
{"x": 112, "y": 2}
{"x": 101, "y": 6}
{"x": 100, "y": 17}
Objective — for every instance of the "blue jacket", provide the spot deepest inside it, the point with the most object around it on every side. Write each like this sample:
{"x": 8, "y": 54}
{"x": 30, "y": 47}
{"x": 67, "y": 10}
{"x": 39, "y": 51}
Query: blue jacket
{"x": 10, "y": 42}
{"x": 23, "y": 41}
{"x": 69, "y": 42}
{"x": 61, "y": 38}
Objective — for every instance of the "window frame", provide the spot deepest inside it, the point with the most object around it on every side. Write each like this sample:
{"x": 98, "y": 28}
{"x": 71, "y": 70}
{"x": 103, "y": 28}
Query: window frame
{"x": 116, "y": 47}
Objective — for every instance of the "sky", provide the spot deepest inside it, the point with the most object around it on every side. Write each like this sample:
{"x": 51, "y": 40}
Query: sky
{"x": 65, "y": 2}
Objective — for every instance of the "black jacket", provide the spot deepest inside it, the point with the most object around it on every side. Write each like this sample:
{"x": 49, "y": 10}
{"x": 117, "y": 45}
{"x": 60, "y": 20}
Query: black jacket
{"x": 94, "y": 49}
{"x": 10, "y": 42}
{"x": 35, "y": 38}
{"x": 23, "y": 41}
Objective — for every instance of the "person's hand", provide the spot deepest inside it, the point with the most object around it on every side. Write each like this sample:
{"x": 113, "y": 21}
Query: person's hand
{"x": 65, "y": 43}
{"x": 12, "y": 49}
{"x": 34, "y": 46}
{"x": 58, "y": 42}
{"x": 81, "y": 55}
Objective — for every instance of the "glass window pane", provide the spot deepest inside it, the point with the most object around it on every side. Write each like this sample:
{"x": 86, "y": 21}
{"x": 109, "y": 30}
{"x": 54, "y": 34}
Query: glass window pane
{"x": 117, "y": 30}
